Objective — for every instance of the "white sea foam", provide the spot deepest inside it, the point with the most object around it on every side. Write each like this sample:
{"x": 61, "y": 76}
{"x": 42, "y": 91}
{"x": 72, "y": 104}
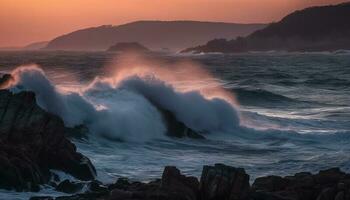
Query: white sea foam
{"x": 128, "y": 110}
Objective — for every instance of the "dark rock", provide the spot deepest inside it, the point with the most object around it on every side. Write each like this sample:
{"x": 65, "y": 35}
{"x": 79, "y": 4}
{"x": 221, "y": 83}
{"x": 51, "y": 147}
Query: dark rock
{"x": 270, "y": 196}
{"x": 79, "y": 132}
{"x": 327, "y": 194}
{"x": 32, "y": 142}
{"x": 41, "y": 198}
{"x": 67, "y": 186}
{"x": 84, "y": 196}
{"x": 96, "y": 186}
{"x": 118, "y": 194}
{"x": 327, "y": 184}
{"x": 269, "y": 184}
{"x": 121, "y": 183}
{"x": 340, "y": 196}
{"x": 221, "y": 182}
{"x": 180, "y": 186}
{"x": 5, "y": 80}
{"x": 177, "y": 128}
{"x": 330, "y": 176}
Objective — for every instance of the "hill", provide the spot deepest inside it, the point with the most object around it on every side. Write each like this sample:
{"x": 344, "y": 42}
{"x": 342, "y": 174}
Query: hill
{"x": 323, "y": 28}
{"x": 173, "y": 35}
{"x": 128, "y": 46}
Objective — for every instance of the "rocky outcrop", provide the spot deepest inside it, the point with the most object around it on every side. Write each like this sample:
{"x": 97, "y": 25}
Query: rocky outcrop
{"x": 221, "y": 182}
{"x": 331, "y": 184}
{"x": 32, "y": 142}
{"x": 177, "y": 128}
{"x": 178, "y": 185}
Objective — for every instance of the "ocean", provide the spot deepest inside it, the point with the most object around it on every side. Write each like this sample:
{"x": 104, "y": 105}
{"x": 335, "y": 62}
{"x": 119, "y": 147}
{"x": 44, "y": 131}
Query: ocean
{"x": 272, "y": 113}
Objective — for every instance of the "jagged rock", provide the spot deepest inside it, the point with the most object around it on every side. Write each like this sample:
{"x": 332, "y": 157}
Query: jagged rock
{"x": 177, "y": 128}
{"x": 33, "y": 142}
{"x": 221, "y": 182}
{"x": 180, "y": 186}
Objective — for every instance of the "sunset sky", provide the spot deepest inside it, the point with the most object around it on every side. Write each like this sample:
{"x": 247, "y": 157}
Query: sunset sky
{"x": 26, "y": 21}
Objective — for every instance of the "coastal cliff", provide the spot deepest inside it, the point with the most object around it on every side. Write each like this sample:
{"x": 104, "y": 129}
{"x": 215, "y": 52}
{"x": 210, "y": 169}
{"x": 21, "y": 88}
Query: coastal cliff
{"x": 32, "y": 142}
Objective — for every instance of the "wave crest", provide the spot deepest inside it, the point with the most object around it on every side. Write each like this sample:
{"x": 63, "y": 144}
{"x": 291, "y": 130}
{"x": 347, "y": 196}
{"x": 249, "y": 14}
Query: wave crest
{"x": 130, "y": 109}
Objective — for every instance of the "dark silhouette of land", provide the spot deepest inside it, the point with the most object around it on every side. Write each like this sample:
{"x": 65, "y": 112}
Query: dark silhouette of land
{"x": 127, "y": 47}
{"x": 323, "y": 28}
{"x": 156, "y": 35}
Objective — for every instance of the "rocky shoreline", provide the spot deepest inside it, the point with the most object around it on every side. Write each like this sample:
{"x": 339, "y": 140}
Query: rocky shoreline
{"x": 218, "y": 182}
{"x": 33, "y": 142}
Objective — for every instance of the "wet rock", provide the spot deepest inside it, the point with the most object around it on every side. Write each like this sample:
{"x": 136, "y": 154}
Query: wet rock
{"x": 33, "y": 142}
{"x": 96, "y": 186}
{"x": 177, "y": 128}
{"x": 67, "y": 186}
{"x": 221, "y": 182}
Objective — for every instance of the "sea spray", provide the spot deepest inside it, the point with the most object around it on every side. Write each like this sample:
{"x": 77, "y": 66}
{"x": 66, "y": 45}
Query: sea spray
{"x": 129, "y": 108}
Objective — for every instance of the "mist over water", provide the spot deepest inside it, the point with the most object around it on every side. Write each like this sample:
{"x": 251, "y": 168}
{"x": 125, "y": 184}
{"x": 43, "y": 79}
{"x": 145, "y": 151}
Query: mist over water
{"x": 126, "y": 107}
{"x": 273, "y": 113}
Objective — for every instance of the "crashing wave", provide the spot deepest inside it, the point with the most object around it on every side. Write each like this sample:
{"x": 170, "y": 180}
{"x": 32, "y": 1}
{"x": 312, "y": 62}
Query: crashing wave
{"x": 131, "y": 109}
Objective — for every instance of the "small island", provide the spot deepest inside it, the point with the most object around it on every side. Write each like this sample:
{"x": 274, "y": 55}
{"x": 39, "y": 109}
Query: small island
{"x": 128, "y": 47}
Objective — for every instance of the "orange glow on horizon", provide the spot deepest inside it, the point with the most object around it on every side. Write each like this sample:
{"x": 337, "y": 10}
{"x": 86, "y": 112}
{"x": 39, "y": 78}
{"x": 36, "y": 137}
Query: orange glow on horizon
{"x": 26, "y": 21}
